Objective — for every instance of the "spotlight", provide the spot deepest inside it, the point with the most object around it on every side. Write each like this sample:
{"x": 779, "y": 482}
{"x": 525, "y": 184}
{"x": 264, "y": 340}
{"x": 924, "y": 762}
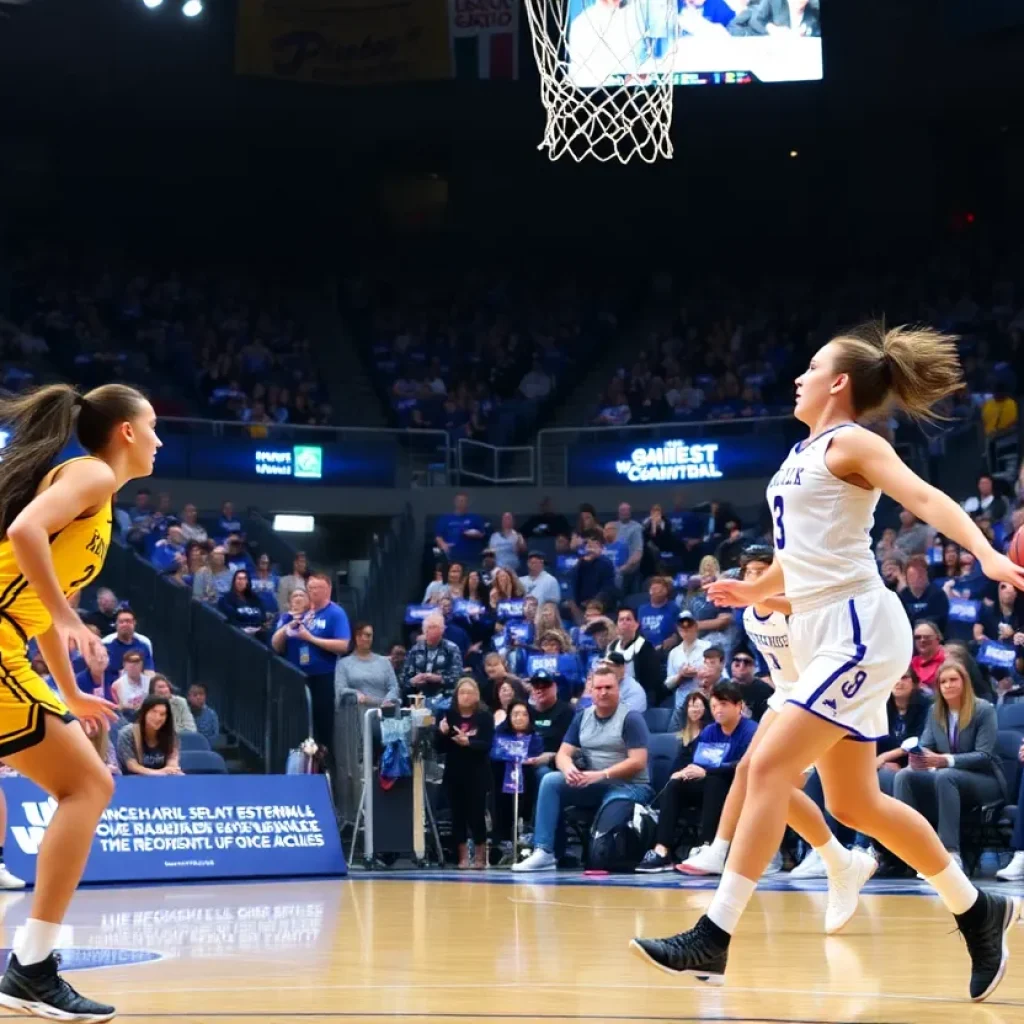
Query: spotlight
{"x": 152, "y": 4}
{"x": 192, "y": 8}
{"x": 793, "y": 154}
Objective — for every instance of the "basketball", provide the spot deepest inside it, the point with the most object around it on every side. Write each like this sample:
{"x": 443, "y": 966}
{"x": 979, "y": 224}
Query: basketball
{"x": 1016, "y": 549}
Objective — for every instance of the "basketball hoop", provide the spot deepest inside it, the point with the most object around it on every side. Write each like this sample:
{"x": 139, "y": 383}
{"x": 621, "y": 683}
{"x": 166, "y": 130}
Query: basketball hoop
{"x": 606, "y": 77}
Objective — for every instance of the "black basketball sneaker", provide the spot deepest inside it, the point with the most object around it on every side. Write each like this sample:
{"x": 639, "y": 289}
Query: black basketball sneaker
{"x": 984, "y": 928}
{"x": 702, "y": 952}
{"x": 39, "y": 991}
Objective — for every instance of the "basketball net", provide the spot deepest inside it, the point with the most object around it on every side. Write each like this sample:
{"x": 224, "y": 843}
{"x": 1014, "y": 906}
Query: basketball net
{"x": 606, "y": 77}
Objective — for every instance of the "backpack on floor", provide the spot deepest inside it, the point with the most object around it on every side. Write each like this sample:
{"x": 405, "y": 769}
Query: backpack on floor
{"x": 623, "y": 831}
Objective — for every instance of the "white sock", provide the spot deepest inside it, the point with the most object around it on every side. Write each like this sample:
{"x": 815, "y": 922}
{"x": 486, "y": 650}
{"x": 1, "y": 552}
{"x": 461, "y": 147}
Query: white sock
{"x": 955, "y": 888}
{"x": 36, "y": 941}
{"x": 720, "y": 847}
{"x": 837, "y": 857}
{"x": 730, "y": 900}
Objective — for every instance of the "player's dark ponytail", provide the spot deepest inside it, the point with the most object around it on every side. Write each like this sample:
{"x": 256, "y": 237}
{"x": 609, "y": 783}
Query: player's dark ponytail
{"x": 42, "y": 422}
{"x": 909, "y": 367}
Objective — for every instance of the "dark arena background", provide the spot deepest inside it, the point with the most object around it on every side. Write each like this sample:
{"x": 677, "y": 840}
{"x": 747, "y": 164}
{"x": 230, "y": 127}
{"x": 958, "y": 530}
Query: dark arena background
{"x": 494, "y": 416}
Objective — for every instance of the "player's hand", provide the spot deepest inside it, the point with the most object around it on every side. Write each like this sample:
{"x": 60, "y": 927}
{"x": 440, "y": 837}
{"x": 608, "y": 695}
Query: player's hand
{"x": 1000, "y": 569}
{"x": 732, "y": 593}
{"x": 84, "y": 639}
{"x": 88, "y": 707}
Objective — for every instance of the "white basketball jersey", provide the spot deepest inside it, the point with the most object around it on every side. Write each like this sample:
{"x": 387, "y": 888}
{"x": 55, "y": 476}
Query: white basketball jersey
{"x": 771, "y": 637}
{"x": 822, "y": 527}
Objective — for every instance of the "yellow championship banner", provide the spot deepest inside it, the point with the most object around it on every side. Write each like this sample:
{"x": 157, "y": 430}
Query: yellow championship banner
{"x": 344, "y": 42}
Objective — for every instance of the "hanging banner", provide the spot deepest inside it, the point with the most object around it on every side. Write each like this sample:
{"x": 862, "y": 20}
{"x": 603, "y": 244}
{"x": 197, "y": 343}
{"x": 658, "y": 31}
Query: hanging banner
{"x": 343, "y": 42}
{"x": 485, "y": 38}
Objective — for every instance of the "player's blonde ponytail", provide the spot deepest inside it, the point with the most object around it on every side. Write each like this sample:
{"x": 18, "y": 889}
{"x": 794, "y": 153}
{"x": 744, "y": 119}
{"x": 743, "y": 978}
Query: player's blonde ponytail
{"x": 909, "y": 367}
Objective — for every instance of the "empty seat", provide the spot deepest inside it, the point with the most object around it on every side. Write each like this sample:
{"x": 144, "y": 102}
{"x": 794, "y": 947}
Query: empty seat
{"x": 193, "y": 741}
{"x": 658, "y": 719}
{"x": 202, "y": 762}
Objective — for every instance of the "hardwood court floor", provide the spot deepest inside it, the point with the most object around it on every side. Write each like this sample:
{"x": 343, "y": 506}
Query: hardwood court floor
{"x": 419, "y": 951}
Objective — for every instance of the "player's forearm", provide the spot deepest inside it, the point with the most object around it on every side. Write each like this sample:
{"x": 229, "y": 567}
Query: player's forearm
{"x": 58, "y": 661}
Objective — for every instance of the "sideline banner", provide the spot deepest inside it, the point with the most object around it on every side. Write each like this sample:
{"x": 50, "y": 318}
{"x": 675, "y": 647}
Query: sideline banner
{"x": 191, "y": 827}
{"x": 343, "y": 42}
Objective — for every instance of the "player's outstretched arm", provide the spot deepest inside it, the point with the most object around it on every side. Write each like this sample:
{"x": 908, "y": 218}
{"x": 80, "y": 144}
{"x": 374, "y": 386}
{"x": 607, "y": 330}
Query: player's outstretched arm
{"x": 859, "y": 453}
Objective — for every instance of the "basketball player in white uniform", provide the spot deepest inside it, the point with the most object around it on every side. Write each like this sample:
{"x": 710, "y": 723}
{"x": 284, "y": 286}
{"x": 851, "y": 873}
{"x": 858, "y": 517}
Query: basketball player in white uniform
{"x": 850, "y": 638}
{"x": 768, "y": 630}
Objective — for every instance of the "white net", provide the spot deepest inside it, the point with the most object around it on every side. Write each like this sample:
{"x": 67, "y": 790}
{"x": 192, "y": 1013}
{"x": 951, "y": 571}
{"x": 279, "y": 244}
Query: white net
{"x": 606, "y": 76}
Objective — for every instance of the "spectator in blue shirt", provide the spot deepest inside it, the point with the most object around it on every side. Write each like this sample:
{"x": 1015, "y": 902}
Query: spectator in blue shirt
{"x": 705, "y": 781}
{"x": 452, "y": 630}
{"x": 313, "y": 644}
{"x": 207, "y": 722}
{"x": 235, "y": 555}
{"x": 92, "y": 678}
{"x": 615, "y": 550}
{"x": 169, "y": 553}
{"x": 658, "y": 617}
{"x": 460, "y": 536}
{"x": 265, "y": 583}
{"x": 125, "y": 639}
{"x": 228, "y": 522}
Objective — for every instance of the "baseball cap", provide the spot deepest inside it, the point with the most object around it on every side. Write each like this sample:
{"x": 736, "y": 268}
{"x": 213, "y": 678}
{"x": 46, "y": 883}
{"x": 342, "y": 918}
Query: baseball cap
{"x": 536, "y": 554}
{"x": 614, "y": 658}
{"x": 541, "y": 679}
{"x": 686, "y": 616}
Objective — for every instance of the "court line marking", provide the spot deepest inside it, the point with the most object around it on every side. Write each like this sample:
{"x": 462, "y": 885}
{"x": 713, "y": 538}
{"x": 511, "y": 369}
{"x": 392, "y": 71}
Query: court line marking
{"x": 412, "y": 1015}
{"x": 558, "y": 987}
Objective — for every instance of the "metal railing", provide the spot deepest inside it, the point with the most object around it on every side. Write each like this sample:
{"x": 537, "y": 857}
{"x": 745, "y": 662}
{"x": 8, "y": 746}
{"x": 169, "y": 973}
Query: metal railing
{"x": 495, "y": 464}
{"x": 554, "y": 444}
{"x": 425, "y": 457}
{"x": 258, "y": 696}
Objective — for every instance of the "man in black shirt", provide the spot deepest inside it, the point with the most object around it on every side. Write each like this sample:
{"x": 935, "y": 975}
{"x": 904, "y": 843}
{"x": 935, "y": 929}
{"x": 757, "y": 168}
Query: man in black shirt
{"x": 105, "y": 616}
{"x": 551, "y": 718}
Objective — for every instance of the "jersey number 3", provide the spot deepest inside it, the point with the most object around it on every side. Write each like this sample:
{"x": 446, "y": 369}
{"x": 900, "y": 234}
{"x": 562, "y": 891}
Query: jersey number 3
{"x": 780, "y": 530}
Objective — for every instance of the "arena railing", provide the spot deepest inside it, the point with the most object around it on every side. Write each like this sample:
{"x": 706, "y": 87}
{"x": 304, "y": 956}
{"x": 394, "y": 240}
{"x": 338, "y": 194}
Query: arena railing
{"x": 424, "y": 457}
{"x": 494, "y": 464}
{"x": 260, "y": 699}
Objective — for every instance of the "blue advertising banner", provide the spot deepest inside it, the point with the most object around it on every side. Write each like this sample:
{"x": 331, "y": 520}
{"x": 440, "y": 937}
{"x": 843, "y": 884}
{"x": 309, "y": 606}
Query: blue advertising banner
{"x": 191, "y": 827}
{"x": 677, "y": 461}
{"x": 334, "y": 465}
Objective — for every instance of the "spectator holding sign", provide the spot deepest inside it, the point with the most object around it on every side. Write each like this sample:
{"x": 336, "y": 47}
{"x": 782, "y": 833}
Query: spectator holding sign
{"x": 516, "y": 742}
{"x": 704, "y": 782}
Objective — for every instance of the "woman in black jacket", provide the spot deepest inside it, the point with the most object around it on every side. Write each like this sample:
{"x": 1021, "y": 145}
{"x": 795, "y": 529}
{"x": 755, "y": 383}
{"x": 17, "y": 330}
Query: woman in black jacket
{"x": 464, "y": 737}
{"x": 241, "y": 607}
{"x": 907, "y": 709}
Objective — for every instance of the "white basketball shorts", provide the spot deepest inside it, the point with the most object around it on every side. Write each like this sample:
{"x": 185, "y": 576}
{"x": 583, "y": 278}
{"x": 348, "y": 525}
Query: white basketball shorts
{"x": 848, "y": 655}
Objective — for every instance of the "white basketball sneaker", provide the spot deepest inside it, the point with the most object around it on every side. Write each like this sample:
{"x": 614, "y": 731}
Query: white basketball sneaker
{"x": 844, "y": 890}
{"x": 9, "y": 881}
{"x": 812, "y": 866}
{"x": 1014, "y": 871}
{"x": 704, "y": 860}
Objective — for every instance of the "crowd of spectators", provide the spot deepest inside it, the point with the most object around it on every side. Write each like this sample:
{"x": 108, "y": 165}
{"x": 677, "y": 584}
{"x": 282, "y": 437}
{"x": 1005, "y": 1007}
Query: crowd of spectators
{"x": 753, "y": 344}
{"x": 212, "y": 344}
{"x": 563, "y": 618}
{"x": 474, "y": 355}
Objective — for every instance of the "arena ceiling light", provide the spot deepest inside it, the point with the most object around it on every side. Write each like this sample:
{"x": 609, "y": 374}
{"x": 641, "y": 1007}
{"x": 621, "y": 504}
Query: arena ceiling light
{"x": 192, "y": 8}
{"x": 152, "y": 4}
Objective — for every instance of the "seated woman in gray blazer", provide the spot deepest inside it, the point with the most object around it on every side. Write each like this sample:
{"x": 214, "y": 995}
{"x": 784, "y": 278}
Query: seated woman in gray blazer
{"x": 958, "y": 769}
